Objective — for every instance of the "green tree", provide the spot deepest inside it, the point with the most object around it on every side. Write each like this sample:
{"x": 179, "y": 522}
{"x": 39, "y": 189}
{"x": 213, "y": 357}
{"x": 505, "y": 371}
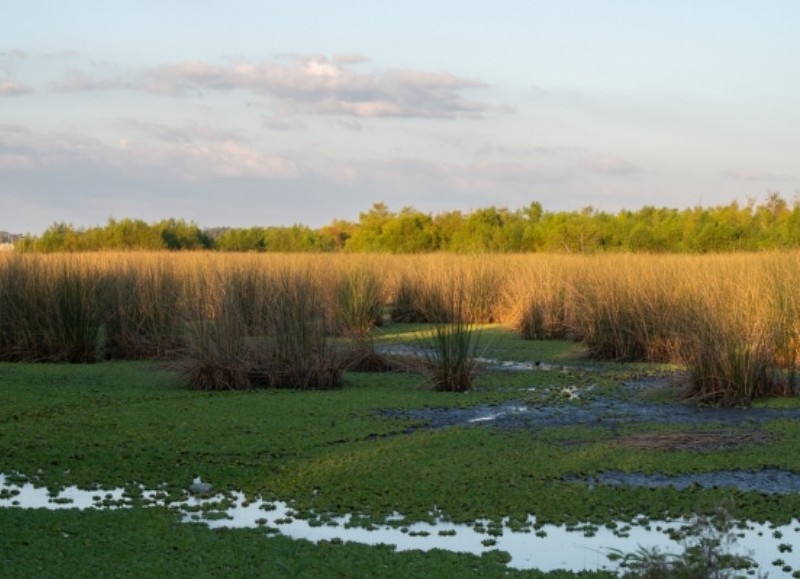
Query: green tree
{"x": 367, "y": 236}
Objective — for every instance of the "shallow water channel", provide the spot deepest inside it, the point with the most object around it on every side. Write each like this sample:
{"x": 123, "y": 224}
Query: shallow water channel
{"x": 547, "y": 548}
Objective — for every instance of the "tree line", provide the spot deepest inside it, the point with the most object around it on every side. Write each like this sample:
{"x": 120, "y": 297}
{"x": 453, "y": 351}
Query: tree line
{"x": 771, "y": 224}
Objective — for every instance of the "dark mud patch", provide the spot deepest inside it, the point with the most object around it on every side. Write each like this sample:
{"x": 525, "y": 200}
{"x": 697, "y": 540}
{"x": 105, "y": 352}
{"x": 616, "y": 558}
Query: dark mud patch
{"x": 694, "y": 441}
{"x": 767, "y": 481}
{"x": 613, "y": 412}
{"x": 607, "y": 412}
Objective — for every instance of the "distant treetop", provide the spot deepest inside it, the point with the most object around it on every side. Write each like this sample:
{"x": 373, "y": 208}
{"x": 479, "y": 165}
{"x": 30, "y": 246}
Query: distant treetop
{"x": 773, "y": 224}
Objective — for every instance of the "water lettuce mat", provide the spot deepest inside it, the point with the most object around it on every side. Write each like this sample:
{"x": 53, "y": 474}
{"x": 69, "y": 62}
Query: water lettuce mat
{"x": 368, "y": 452}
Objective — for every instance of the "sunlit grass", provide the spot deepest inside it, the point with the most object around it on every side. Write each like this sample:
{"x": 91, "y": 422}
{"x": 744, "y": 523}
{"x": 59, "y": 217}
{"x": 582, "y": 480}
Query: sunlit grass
{"x": 732, "y": 319}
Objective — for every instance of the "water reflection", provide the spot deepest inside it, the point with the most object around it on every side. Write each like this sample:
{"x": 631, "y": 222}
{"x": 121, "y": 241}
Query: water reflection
{"x": 544, "y": 547}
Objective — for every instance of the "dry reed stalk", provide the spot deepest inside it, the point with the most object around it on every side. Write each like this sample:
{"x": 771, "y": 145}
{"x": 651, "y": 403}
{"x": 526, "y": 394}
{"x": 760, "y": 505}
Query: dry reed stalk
{"x": 731, "y": 338}
{"x": 297, "y": 352}
{"x": 539, "y": 298}
{"x": 733, "y": 319}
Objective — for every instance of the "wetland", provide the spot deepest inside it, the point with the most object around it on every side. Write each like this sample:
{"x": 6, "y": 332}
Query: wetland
{"x": 540, "y": 469}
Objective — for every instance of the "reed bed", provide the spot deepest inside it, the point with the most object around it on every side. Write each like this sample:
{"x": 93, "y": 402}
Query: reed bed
{"x": 733, "y": 320}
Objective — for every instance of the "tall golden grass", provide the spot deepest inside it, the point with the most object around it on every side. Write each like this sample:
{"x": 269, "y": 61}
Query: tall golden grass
{"x": 732, "y": 319}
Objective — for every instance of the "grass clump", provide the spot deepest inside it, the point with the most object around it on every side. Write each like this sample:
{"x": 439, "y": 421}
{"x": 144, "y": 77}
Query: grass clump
{"x": 740, "y": 342}
{"x": 217, "y": 355}
{"x": 451, "y": 358}
{"x": 267, "y": 331}
{"x": 357, "y": 310}
{"x": 145, "y": 308}
{"x": 358, "y": 305}
{"x": 296, "y": 351}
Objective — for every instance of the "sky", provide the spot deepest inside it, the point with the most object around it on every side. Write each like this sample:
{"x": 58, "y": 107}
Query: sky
{"x": 272, "y": 112}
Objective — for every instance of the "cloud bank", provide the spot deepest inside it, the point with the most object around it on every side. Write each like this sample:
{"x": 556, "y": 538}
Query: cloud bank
{"x": 309, "y": 84}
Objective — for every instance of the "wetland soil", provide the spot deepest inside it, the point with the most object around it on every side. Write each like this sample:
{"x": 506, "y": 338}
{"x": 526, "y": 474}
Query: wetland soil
{"x": 599, "y": 411}
{"x": 611, "y": 412}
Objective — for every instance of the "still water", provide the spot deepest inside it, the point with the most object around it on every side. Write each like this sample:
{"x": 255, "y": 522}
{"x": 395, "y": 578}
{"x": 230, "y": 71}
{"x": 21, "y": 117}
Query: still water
{"x": 544, "y": 547}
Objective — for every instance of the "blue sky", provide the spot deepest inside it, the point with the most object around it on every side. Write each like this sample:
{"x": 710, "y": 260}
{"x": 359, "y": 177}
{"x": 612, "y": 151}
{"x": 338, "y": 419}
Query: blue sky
{"x": 246, "y": 113}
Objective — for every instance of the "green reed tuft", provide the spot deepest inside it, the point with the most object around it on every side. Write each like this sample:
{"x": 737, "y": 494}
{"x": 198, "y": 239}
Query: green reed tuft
{"x": 451, "y": 357}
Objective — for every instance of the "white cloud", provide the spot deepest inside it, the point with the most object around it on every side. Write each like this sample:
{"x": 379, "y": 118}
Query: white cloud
{"x": 50, "y": 148}
{"x": 317, "y": 85}
{"x": 349, "y": 124}
{"x": 188, "y": 159}
{"x": 408, "y": 175}
{"x": 12, "y": 88}
{"x": 287, "y": 123}
{"x": 189, "y": 77}
{"x": 350, "y": 58}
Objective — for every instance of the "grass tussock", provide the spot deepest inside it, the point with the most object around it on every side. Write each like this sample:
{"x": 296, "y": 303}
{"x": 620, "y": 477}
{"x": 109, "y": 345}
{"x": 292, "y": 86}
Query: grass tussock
{"x": 218, "y": 354}
{"x": 741, "y": 344}
{"x": 451, "y": 357}
{"x": 358, "y": 305}
{"x": 296, "y": 351}
{"x": 628, "y": 315}
{"x": 264, "y": 330}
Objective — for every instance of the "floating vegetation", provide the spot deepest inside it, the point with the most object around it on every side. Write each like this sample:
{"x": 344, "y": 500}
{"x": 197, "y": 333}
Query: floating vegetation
{"x": 576, "y": 547}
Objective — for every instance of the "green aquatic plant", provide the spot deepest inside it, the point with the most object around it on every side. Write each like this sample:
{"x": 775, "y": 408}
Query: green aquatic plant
{"x": 709, "y": 544}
